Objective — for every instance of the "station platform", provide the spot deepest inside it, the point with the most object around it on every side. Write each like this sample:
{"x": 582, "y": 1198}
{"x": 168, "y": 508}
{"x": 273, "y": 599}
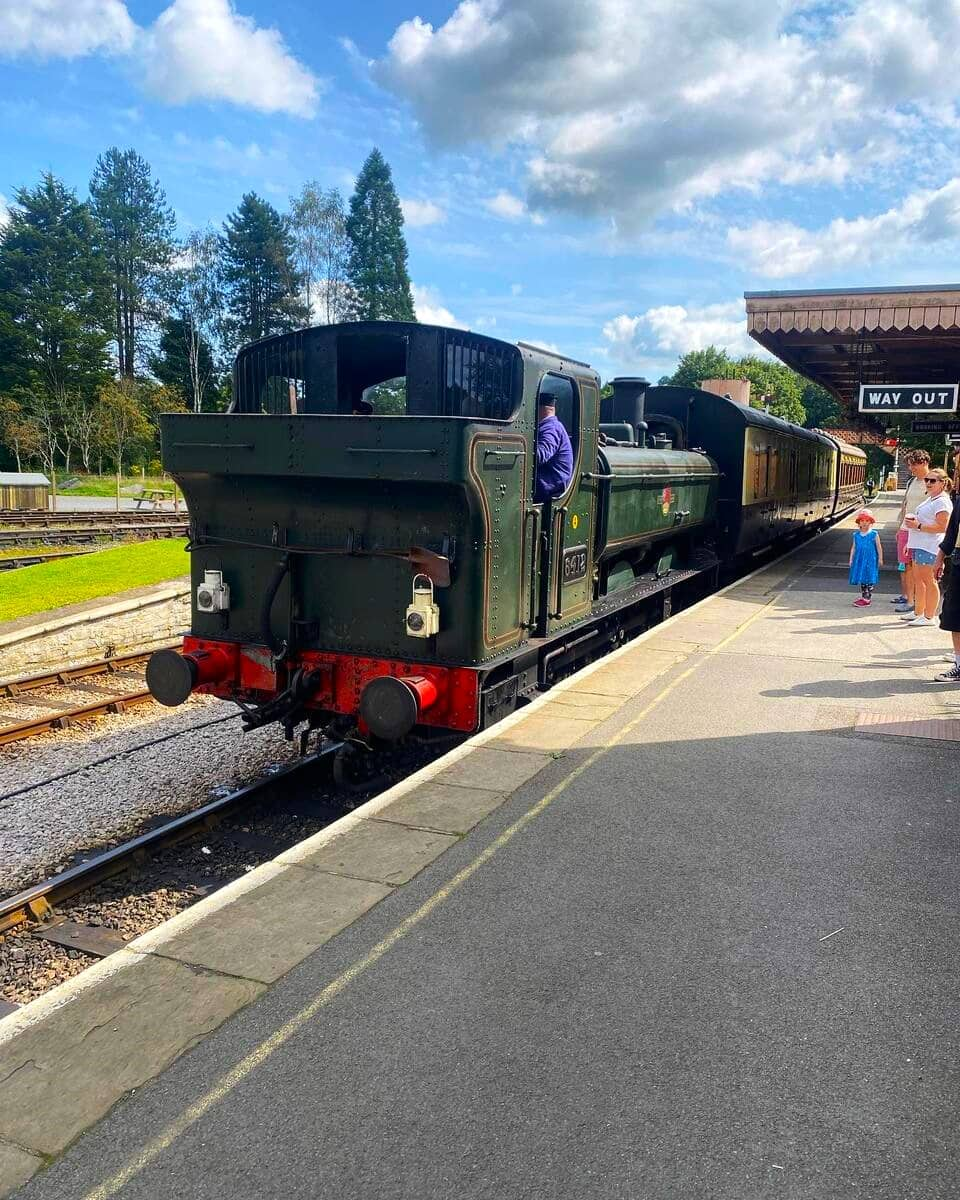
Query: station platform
{"x": 686, "y": 927}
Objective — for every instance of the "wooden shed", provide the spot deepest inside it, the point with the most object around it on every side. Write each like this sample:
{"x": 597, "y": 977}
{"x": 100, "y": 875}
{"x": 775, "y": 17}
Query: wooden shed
{"x": 20, "y": 491}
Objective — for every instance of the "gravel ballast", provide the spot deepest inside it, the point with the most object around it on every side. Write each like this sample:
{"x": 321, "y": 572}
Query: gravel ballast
{"x": 159, "y": 762}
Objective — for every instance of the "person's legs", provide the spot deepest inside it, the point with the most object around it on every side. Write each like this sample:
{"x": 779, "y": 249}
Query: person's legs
{"x": 953, "y": 674}
{"x": 906, "y": 583}
{"x": 926, "y": 593}
{"x": 909, "y": 582}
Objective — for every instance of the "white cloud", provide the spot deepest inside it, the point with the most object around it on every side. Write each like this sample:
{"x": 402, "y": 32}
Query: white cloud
{"x": 776, "y": 249}
{"x": 417, "y": 213}
{"x": 511, "y": 208}
{"x": 676, "y": 328}
{"x": 632, "y": 108}
{"x": 4, "y": 210}
{"x": 205, "y": 50}
{"x": 64, "y": 28}
{"x": 430, "y": 310}
{"x": 195, "y": 50}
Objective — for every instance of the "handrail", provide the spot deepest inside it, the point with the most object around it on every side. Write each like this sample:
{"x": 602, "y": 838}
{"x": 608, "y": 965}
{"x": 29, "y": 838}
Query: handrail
{"x": 386, "y": 450}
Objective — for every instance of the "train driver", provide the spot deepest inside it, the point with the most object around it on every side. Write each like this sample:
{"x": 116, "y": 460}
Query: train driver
{"x": 554, "y": 452}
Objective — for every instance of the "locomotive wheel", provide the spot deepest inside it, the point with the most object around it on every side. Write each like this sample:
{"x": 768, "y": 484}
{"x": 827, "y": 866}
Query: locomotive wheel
{"x": 356, "y": 768}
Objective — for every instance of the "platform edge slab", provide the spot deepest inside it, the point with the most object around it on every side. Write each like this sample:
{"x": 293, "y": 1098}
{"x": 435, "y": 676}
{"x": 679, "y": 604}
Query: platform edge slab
{"x": 64, "y": 1067}
{"x": 16, "y": 1167}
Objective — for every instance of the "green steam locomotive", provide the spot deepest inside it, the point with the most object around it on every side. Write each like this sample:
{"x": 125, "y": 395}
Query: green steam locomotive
{"x": 367, "y": 555}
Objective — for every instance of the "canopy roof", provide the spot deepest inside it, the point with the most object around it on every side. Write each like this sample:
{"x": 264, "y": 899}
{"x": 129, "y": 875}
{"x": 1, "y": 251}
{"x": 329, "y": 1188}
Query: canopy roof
{"x": 841, "y": 338}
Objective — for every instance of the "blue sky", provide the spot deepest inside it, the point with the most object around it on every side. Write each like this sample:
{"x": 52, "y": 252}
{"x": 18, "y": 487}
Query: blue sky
{"x": 604, "y": 178}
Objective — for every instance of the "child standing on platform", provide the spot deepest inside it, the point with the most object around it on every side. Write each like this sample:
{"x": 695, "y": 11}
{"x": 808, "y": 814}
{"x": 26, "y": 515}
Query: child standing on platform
{"x": 866, "y": 557}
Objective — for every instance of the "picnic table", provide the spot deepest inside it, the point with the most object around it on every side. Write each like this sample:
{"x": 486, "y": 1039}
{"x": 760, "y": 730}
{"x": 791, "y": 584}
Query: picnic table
{"x": 154, "y": 496}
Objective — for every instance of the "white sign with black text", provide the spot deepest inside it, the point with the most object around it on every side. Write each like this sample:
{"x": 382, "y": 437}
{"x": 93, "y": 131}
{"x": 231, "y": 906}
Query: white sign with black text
{"x": 883, "y": 398}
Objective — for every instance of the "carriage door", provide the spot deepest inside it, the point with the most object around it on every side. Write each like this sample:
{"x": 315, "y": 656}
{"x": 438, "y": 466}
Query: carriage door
{"x": 567, "y": 522}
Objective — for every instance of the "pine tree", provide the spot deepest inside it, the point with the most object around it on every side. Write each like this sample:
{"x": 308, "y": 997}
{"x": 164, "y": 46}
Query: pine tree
{"x": 377, "y": 271}
{"x": 263, "y": 285}
{"x": 55, "y": 305}
{"x": 137, "y": 228}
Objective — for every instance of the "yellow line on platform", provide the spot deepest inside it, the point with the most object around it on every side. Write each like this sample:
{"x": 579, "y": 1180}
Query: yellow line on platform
{"x": 270, "y": 1045}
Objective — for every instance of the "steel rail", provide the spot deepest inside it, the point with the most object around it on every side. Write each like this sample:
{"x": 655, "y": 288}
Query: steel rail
{"x": 66, "y": 717}
{"x": 91, "y": 516}
{"x": 15, "y": 562}
{"x": 35, "y": 903}
{"x": 78, "y": 535}
{"x": 99, "y": 666}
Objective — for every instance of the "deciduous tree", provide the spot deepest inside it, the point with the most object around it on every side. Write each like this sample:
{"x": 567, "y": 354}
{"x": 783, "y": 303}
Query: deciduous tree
{"x": 136, "y": 228}
{"x": 822, "y": 409}
{"x": 322, "y": 249}
{"x": 377, "y": 270}
{"x": 17, "y": 432}
{"x": 185, "y": 364}
{"x": 123, "y": 423}
{"x": 781, "y": 387}
{"x": 697, "y": 365}
{"x": 191, "y": 354}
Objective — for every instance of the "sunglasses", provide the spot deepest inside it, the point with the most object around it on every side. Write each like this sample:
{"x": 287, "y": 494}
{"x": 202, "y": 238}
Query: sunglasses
{"x": 932, "y": 479}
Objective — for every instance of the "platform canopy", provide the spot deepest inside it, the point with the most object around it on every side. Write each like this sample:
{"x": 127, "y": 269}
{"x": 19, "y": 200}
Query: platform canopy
{"x": 841, "y": 338}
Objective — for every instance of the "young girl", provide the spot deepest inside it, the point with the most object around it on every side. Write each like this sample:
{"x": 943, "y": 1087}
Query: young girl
{"x": 866, "y": 557}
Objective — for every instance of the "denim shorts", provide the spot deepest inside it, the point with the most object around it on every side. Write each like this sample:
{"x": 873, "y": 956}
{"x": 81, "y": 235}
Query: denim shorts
{"x": 923, "y": 558}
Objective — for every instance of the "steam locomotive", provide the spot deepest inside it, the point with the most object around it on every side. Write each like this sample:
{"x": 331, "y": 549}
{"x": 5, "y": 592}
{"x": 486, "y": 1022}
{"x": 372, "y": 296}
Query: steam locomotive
{"x": 367, "y": 556}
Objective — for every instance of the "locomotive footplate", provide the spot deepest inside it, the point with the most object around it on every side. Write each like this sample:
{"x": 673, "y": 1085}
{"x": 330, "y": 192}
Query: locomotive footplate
{"x": 616, "y": 619}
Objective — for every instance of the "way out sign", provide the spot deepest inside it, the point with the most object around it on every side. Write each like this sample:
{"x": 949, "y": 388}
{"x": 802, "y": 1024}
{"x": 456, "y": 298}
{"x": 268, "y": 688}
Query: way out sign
{"x": 882, "y": 398}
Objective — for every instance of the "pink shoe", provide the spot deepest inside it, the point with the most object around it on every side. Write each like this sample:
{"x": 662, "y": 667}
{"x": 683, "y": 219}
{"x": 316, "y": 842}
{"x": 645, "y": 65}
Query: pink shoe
{"x": 861, "y": 603}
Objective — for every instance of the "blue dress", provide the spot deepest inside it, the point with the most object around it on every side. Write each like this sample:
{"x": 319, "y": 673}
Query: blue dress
{"x": 865, "y": 566}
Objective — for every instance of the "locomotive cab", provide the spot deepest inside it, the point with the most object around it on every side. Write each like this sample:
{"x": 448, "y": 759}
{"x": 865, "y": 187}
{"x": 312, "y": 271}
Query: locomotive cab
{"x": 354, "y": 461}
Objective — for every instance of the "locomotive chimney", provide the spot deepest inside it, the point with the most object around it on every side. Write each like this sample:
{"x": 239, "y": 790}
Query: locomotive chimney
{"x": 626, "y": 405}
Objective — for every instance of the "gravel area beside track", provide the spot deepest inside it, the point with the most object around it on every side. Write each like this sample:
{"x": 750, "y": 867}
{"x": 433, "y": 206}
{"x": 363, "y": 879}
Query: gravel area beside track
{"x": 175, "y": 877}
{"x": 42, "y": 827}
{"x": 38, "y": 702}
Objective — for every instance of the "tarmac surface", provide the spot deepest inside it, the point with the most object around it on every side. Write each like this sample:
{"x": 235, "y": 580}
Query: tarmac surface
{"x": 708, "y": 951}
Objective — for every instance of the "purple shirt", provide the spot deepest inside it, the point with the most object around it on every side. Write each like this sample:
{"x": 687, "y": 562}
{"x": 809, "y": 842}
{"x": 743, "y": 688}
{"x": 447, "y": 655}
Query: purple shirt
{"x": 554, "y": 459}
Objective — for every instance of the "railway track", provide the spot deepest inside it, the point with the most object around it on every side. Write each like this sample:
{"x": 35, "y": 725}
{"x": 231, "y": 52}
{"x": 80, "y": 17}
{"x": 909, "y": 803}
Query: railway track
{"x": 76, "y": 535}
{"x": 15, "y": 561}
{"x": 50, "y": 520}
{"x": 61, "y": 717}
{"x": 35, "y": 905}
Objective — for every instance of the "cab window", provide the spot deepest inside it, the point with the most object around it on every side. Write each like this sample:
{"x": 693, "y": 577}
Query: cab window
{"x": 562, "y": 392}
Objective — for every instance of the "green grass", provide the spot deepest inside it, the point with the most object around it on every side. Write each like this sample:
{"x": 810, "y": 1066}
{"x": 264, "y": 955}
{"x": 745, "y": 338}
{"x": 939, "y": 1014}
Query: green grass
{"x": 106, "y": 485}
{"x": 72, "y": 580}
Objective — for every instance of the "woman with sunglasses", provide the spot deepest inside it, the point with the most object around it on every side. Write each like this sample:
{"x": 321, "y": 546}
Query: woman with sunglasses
{"x": 950, "y": 614}
{"x": 926, "y": 529}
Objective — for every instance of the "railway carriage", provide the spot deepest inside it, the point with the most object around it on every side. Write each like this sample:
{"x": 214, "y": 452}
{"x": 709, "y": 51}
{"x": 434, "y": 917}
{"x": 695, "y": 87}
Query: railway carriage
{"x": 367, "y": 554}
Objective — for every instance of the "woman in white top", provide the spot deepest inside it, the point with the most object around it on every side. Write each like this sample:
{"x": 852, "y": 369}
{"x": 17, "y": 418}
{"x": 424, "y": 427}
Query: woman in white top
{"x": 926, "y": 529}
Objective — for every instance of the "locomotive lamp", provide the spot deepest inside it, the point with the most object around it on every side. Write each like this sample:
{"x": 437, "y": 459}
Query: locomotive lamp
{"x": 423, "y": 614}
{"x": 213, "y": 595}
